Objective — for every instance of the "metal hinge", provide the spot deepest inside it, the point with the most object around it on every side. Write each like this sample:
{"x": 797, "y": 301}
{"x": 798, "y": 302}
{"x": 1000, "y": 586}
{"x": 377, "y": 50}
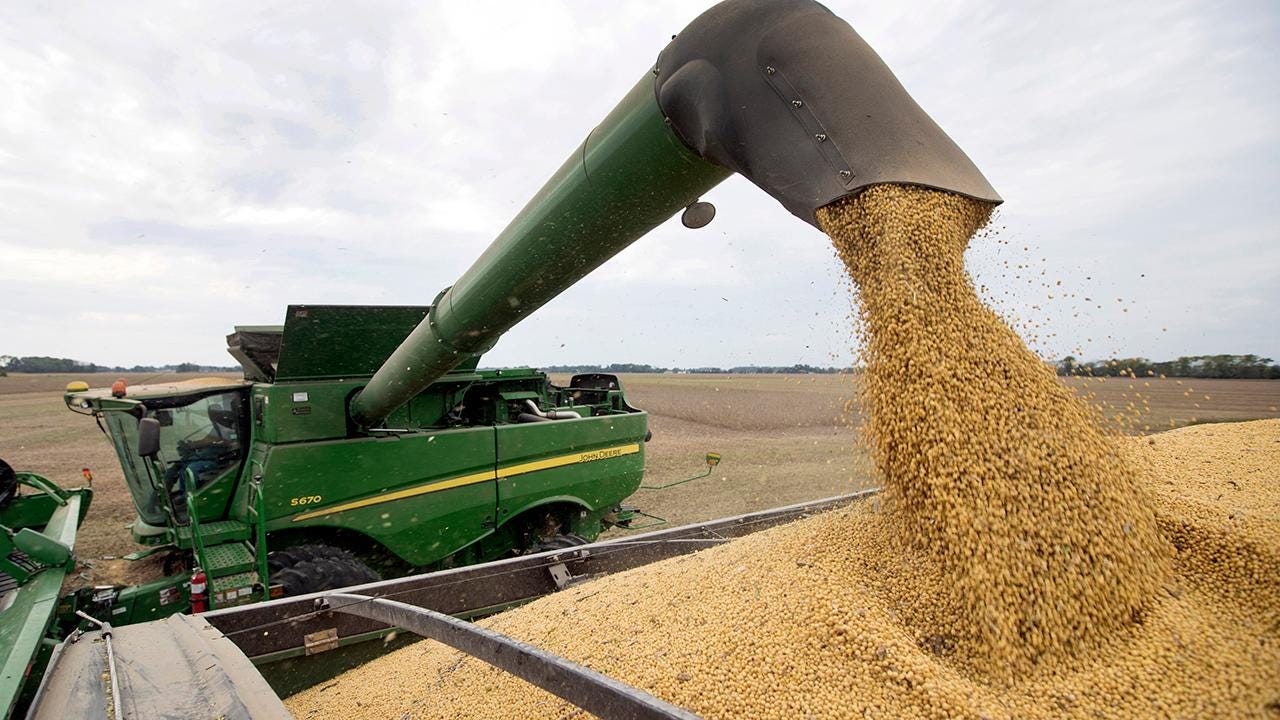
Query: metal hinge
{"x": 320, "y": 641}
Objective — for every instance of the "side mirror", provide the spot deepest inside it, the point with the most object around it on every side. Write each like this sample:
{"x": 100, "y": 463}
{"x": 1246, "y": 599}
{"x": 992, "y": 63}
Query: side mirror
{"x": 148, "y": 437}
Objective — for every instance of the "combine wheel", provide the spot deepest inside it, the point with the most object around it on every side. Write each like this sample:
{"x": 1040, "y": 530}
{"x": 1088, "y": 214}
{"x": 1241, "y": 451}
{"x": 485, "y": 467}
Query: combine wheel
{"x": 303, "y": 569}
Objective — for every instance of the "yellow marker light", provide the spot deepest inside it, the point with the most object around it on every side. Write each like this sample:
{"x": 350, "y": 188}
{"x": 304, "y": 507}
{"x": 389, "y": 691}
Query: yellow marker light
{"x": 77, "y": 386}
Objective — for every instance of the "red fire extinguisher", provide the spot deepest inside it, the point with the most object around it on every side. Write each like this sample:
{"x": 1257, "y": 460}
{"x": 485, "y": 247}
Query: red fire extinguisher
{"x": 199, "y": 592}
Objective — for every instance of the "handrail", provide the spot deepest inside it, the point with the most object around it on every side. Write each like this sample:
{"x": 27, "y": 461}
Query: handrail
{"x": 44, "y": 485}
{"x": 258, "y": 507}
{"x": 193, "y": 521}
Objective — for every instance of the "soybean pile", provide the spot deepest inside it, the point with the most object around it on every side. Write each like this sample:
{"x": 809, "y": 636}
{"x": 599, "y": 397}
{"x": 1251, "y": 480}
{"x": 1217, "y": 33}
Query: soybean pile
{"x": 1019, "y": 563}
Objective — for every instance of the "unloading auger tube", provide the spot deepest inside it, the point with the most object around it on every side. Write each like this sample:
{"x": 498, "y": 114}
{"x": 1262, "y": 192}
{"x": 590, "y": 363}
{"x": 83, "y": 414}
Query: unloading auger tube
{"x": 781, "y": 91}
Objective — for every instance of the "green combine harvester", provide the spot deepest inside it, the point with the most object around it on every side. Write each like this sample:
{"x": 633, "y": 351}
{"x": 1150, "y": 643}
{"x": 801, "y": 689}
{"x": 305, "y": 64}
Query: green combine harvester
{"x": 270, "y": 486}
{"x": 364, "y": 443}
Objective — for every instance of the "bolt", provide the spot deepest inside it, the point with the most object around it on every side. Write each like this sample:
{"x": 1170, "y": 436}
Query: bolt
{"x": 796, "y": 103}
{"x": 820, "y": 137}
{"x": 655, "y": 71}
{"x": 846, "y": 174}
{"x": 769, "y": 70}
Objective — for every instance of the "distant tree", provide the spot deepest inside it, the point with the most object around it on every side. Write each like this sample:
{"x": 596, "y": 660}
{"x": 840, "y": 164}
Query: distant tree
{"x": 1068, "y": 365}
{"x": 186, "y": 367}
{"x": 1197, "y": 366}
{"x": 44, "y": 364}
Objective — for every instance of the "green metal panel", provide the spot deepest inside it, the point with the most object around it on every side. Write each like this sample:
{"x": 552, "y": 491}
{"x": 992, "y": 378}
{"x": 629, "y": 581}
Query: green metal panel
{"x": 401, "y": 483}
{"x": 333, "y": 341}
{"x": 596, "y": 461}
{"x": 211, "y": 501}
{"x": 152, "y": 600}
{"x": 317, "y": 410}
{"x": 29, "y": 511}
{"x": 631, "y": 174}
{"x": 292, "y": 411}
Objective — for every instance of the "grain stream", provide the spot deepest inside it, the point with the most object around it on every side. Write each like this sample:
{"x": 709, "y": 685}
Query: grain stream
{"x": 1020, "y": 562}
{"x": 996, "y": 471}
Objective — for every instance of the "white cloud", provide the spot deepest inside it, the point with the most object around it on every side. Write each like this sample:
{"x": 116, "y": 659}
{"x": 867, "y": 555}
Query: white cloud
{"x": 168, "y": 171}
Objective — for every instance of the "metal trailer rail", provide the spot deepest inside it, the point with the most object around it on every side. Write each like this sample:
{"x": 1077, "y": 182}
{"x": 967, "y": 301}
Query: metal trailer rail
{"x": 291, "y": 627}
{"x": 594, "y": 692}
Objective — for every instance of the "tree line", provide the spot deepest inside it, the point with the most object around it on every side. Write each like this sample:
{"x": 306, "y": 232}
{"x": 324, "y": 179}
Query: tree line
{"x": 46, "y": 364}
{"x": 1195, "y": 366}
{"x": 798, "y": 369}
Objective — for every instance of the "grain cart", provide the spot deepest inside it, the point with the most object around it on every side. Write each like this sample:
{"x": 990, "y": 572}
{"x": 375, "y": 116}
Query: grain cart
{"x": 366, "y": 435}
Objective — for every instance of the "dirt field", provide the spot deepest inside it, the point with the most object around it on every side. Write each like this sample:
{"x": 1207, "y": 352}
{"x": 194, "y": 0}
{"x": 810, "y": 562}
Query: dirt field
{"x": 782, "y": 438}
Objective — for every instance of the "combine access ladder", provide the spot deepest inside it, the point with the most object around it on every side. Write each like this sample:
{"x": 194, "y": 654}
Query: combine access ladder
{"x": 232, "y": 554}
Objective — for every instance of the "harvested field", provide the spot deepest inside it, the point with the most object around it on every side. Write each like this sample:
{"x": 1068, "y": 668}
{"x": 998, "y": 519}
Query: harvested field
{"x": 784, "y": 439}
{"x": 780, "y": 435}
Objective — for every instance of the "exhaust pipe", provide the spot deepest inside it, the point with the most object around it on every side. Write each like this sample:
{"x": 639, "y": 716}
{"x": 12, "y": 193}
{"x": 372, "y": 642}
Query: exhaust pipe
{"x": 781, "y": 91}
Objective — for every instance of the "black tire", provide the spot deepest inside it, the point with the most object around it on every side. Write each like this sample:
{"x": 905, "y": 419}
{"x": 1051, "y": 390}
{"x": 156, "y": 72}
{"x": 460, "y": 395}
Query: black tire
{"x": 290, "y": 556}
{"x": 175, "y": 562}
{"x": 307, "y": 569}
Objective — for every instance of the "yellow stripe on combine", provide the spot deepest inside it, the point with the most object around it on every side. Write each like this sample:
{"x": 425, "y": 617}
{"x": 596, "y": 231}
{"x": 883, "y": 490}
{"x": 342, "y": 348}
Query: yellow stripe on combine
{"x": 509, "y": 471}
{"x": 400, "y": 494}
{"x": 562, "y": 460}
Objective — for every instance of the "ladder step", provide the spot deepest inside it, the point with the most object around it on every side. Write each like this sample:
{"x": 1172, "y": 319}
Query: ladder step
{"x": 214, "y": 533}
{"x": 232, "y": 590}
{"x": 229, "y": 559}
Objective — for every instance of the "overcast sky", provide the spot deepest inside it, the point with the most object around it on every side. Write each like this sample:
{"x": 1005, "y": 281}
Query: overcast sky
{"x": 169, "y": 170}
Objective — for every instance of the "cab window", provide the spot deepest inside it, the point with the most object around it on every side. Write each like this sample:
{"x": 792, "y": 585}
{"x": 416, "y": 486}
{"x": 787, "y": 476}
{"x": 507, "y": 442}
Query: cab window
{"x": 204, "y": 436}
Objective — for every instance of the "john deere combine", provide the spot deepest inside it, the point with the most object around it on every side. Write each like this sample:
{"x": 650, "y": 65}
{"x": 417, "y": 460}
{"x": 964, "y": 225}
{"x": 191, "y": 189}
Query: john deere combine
{"x": 273, "y": 483}
{"x": 363, "y": 440}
